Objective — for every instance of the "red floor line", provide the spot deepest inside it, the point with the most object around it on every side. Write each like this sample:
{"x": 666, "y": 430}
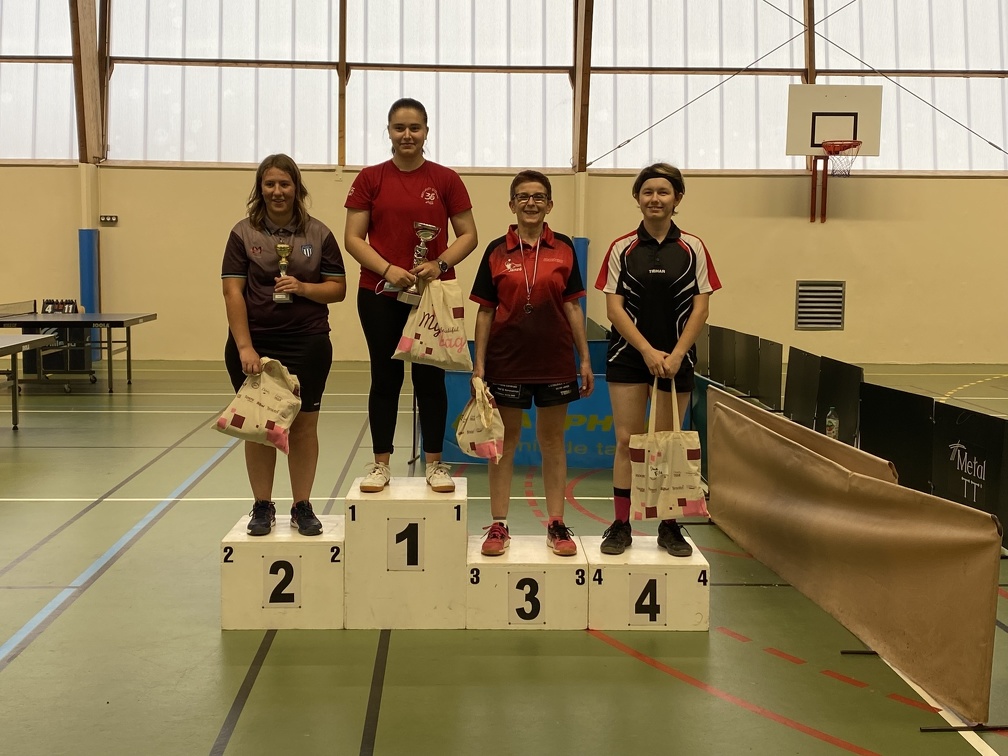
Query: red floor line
{"x": 910, "y": 702}
{"x": 844, "y": 678}
{"x": 785, "y": 656}
{"x": 733, "y": 634}
{"x": 725, "y": 696}
{"x": 1003, "y": 592}
{"x": 532, "y": 501}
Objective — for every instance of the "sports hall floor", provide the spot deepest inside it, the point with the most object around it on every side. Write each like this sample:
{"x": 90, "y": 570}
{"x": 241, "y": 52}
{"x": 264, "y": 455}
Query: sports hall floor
{"x": 112, "y": 508}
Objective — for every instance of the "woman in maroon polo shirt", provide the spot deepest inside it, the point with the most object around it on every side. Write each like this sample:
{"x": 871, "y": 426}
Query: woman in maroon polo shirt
{"x": 528, "y": 326}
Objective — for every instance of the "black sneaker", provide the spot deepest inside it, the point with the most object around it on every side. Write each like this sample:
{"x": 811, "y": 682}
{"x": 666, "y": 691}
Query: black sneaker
{"x": 304, "y": 519}
{"x": 617, "y": 537}
{"x": 262, "y": 518}
{"x": 671, "y": 539}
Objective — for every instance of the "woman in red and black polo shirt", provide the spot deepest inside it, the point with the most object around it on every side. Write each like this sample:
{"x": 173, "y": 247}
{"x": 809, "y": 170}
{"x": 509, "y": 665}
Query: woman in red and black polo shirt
{"x": 528, "y": 326}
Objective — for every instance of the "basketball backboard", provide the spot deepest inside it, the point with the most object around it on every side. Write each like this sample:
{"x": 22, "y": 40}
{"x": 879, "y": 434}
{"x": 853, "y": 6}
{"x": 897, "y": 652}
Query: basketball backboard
{"x": 823, "y": 112}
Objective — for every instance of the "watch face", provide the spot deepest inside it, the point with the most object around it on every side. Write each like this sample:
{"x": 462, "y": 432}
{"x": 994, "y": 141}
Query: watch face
{"x": 443, "y": 265}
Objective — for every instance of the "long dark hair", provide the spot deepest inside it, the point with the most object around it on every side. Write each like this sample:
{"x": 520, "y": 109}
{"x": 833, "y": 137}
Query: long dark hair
{"x": 256, "y": 202}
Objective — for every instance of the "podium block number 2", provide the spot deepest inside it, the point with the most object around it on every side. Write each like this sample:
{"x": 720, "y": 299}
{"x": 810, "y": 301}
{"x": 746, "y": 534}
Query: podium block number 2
{"x": 648, "y": 597}
{"x": 405, "y": 544}
{"x": 281, "y": 582}
{"x": 526, "y": 597}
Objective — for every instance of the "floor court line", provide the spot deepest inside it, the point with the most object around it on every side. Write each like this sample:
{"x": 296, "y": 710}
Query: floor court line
{"x": 37, "y": 624}
{"x": 94, "y": 502}
{"x": 375, "y": 696}
{"x": 227, "y": 728}
{"x": 346, "y": 467}
{"x": 729, "y": 698}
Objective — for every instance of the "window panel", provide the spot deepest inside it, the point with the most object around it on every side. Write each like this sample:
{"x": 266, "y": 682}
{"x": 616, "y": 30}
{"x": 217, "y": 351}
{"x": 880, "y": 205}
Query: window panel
{"x": 507, "y": 127}
{"x": 202, "y": 114}
{"x": 737, "y": 124}
{"x": 37, "y": 112}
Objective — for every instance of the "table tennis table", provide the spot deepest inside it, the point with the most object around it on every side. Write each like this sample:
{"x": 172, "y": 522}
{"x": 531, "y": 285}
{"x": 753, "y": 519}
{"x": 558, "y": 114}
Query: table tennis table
{"x": 11, "y": 345}
{"x": 25, "y": 315}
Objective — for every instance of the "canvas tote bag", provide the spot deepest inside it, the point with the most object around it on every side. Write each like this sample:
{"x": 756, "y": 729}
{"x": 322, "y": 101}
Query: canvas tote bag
{"x": 435, "y": 331}
{"x": 480, "y": 429}
{"x": 665, "y": 467}
{"x": 264, "y": 407}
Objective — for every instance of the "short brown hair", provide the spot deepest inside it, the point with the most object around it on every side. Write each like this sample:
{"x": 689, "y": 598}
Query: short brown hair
{"x": 530, "y": 175}
{"x": 660, "y": 170}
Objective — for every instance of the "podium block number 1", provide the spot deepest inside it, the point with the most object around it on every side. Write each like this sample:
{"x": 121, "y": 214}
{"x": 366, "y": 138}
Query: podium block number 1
{"x": 281, "y": 582}
{"x": 648, "y": 597}
{"x": 526, "y": 597}
{"x": 405, "y": 544}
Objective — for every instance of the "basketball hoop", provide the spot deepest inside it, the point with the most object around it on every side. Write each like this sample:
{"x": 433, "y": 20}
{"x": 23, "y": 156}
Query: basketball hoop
{"x": 841, "y": 155}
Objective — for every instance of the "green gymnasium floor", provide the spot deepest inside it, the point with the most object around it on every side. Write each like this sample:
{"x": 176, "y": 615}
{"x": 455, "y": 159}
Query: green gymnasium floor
{"x": 112, "y": 509}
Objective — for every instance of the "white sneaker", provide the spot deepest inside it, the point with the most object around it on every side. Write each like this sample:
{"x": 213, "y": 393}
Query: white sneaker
{"x": 377, "y": 478}
{"x": 439, "y": 477}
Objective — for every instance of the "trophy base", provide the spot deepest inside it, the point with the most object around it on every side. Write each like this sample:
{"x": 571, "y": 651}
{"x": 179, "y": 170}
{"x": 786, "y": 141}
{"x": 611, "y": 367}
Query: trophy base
{"x": 410, "y": 297}
{"x": 282, "y": 298}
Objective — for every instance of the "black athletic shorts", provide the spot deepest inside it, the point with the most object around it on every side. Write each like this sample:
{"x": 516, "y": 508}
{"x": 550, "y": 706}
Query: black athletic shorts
{"x": 307, "y": 357}
{"x": 520, "y": 395}
{"x": 684, "y": 379}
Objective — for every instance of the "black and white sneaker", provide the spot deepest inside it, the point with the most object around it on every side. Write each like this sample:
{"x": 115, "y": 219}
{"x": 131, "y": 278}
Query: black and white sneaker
{"x": 262, "y": 518}
{"x": 671, "y": 539}
{"x": 616, "y": 538}
{"x": 304, "y": 519}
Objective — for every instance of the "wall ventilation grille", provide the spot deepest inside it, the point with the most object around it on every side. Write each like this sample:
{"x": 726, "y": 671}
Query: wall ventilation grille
{"x": 819, "y": 305}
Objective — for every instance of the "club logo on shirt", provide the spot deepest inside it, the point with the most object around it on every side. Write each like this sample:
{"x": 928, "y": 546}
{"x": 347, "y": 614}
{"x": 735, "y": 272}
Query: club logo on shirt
{"x": 351, "y": 192}
{"x": 429, "y": 195}
{"x": 511, "y": 265}
{"x": 306, "y": 250}
{"x": 256, "y": 251}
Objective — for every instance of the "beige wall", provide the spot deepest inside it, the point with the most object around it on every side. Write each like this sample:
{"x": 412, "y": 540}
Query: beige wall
{"x": 923, "y": 257}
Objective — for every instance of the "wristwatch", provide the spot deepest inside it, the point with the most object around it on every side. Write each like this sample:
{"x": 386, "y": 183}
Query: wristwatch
{"x": 442, "y": 265}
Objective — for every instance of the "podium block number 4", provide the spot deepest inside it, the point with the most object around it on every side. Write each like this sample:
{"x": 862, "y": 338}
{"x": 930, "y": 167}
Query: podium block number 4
{"x": 648, "y": 597}
{"x": 281, "y": 583}
{"x": 405, "y": 544}
{"x": 526, "y": 598}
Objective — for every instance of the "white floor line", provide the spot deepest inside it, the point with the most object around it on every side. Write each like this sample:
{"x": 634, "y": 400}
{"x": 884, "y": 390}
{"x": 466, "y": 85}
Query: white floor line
{"x": 978, "y": 743}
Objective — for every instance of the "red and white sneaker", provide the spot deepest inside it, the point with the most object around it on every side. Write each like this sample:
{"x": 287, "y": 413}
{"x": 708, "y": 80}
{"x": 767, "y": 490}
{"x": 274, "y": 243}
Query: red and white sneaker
{"x": 496, "y": 541}
{"x": 558, "y": 538}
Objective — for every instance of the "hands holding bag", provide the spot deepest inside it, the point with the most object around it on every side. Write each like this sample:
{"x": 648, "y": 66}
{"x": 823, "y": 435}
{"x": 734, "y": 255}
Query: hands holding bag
{"x": 264, "y": 407}
{"x": 480, "y": 429}
{"x": 435, "y": 331}
{"x": 665, "y": 467}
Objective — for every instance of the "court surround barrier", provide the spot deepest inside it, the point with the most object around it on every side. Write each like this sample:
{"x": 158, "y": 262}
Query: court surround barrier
{"x": 879, "y": 557}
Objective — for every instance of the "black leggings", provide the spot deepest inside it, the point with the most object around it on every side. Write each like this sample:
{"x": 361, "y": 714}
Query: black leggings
{"x": 383, "y": 319}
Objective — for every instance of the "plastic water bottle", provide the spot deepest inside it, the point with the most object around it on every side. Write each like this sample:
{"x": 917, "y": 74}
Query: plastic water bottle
{"x": 832, "y": 424}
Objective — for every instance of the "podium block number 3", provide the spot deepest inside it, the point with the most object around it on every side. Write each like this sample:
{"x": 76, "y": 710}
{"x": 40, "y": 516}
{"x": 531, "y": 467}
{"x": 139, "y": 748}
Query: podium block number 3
{"x": 526, "y": 597}
{"x": 281, "y": 582}
{"x": 405, "y": 544}
{"x": 647, "y": 600}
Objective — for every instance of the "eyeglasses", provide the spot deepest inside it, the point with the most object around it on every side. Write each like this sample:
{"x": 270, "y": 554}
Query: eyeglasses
{"x": 539, "y": 198}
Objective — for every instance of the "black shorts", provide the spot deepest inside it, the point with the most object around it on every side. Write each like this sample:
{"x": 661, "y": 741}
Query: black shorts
{"x": 684, "y": 379}
{"x": 307, "y": 357}
{"x": 520, "y": 395}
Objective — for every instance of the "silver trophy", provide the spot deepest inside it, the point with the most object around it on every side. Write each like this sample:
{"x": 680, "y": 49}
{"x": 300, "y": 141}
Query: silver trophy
{"x": 283, "y": 250}
{"x": 425, "y": 232}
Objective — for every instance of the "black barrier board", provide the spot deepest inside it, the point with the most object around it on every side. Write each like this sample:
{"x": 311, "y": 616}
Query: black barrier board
{"x": 801, "y": 386}
{"x": 970, "y": 459}
{"x": 747, "y": 363}
{"x": 840, "y": 388}
{"x": 899, "y": 427}
{"x": 722, "y": 355}
{"x": 771, "y": 374}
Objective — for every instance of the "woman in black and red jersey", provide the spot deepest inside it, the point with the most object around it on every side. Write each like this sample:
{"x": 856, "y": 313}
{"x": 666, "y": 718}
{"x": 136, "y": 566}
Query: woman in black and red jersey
{"x": 657, "y": 281}
{"x": 382, "y": 206}
{"x": 528, "y": 325}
